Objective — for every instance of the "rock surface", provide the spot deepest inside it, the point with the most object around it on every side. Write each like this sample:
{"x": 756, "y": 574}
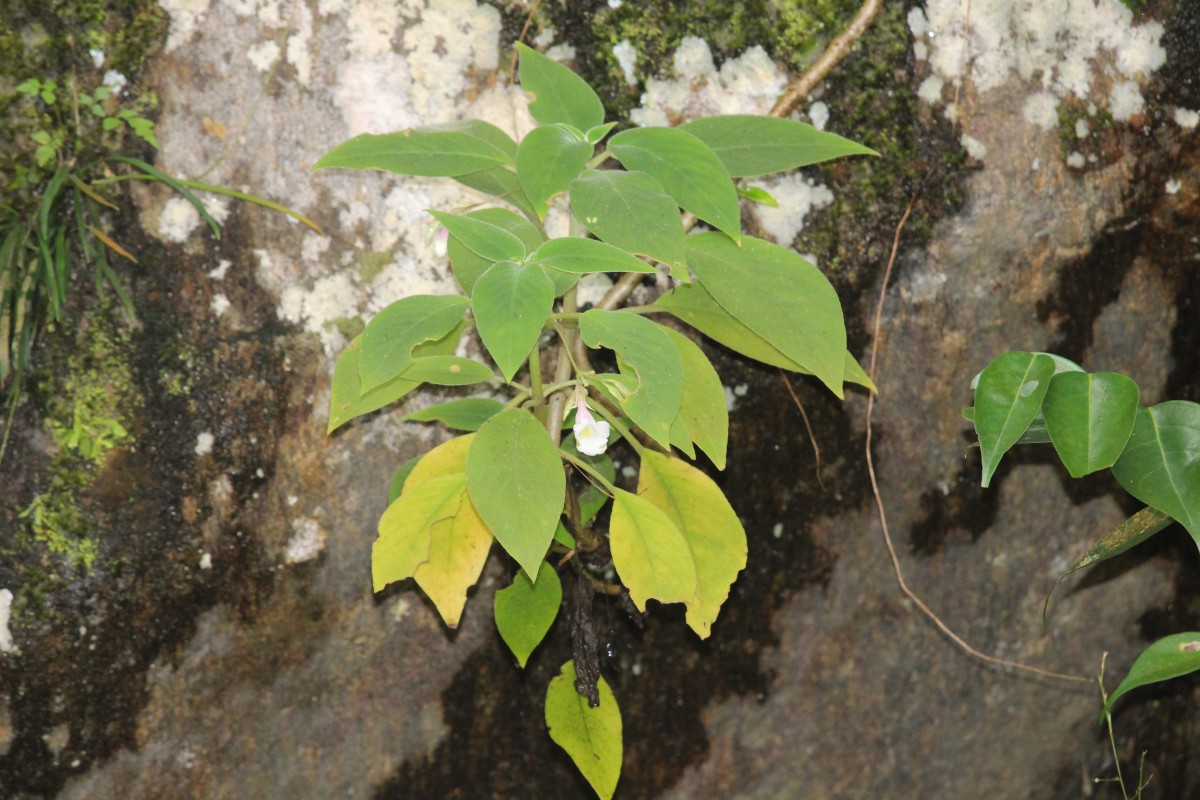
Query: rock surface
{"x": 233, "y": 647}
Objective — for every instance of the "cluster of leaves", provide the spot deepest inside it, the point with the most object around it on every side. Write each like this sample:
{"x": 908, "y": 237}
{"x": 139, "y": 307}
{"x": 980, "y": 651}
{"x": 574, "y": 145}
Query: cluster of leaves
{"x": 1095, "y": 422}
{"x": 526, "y": 473}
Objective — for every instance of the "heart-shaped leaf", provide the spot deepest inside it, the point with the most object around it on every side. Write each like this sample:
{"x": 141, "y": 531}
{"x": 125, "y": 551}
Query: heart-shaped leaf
{"x": 526, "y": 610}
{"x": 1169, "y": 657}
{"x": 1007, "y": 398}
{"x": 511, "y": 303}
{"x": 1161, "y": 462}
{"x": 1089, "y": 417}
{"x": 516, "y": 482}
{"x": 590, "y": 736}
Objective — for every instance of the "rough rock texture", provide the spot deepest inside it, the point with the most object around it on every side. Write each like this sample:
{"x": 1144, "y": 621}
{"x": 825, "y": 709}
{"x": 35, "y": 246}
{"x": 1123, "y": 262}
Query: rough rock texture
{"x": 270, "y": 670}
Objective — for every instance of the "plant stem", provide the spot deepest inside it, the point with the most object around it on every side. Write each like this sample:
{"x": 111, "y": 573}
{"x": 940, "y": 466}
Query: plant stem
{"x": 607, "y": 487}
{"x": 535, "y": 376}
{"x": 208, "y": 187}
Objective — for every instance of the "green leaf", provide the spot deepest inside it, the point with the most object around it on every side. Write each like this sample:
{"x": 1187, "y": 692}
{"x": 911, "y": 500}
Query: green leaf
{"x": 591, "y": 736}
{"x": 559, "y": 95}
{"x": 702, "y": 408}
{"x": 691, "y": 303}
{"x": 750, "y": 145}
{"x": 447, "y": 150}
{"x": 447, "y": 371}
{"x": 1007, "y": 398}
{"x": 714, "y": 534}
{"x": 516, "y": 482}
{"x": 1169, "y": 657}
{"x": 390, "y": 337}
{"x": 526, "y": 610}
{"x": 548, "y": 159}
{"x": 466, "y": 414}
{"x": 1161, "y": 462}
{"x": 346, "y": 398}
{"x": 511, "y": 303}
{"x": 779, "y": 296}
{"x": 405, "y": 529}
{"x": 630, "y": 210}
{"x": 688, "y": 170}
{"x": 486, "y": 240}
{"x": 594, "y": 135}
{"x": 649, "y": 552}
{"x": 1089, "y": 417}
{"x": 646, "y": 349}
{"x": 758, "y": 195}
{"x": 581, "y": 256}
{"x": 468, "y": 265}
{"x": 501, "y": 183}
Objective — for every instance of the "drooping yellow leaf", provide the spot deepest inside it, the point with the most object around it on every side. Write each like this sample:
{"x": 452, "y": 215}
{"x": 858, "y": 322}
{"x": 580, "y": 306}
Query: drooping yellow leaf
{"x": 447, "y": 458}
{"x": 433, "y": 493}
{"x": 699, "y": 510}
{"x": 405, "y": 529}
{"x": 458, "y": 549}
{"x": 650, "y": 553}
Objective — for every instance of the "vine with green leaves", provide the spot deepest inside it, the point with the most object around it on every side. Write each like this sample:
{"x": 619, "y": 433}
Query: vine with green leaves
{"x": 533, "y": 472}
{"x": 1095, "y": 421}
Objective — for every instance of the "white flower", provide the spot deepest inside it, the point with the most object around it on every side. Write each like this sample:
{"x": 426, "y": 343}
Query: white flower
{"x": 591, "y": 437}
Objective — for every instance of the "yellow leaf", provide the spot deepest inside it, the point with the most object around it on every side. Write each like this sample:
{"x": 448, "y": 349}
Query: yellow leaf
{"x": 650, "y": 553}
{"x": 699, "y": 510}
{"x": 458, "y": 549}
{"x": 405, "y": 529}
{"x": 447, "y": 458}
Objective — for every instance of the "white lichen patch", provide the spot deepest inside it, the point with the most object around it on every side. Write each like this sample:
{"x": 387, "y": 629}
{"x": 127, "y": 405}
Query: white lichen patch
{"x": 748, "y": 84}
{"x": 186, "y": 17}
{"x": 219, "y": 305}
{"x": 626, "y": 57}
{"x": 975, "y": 148}
{"x": 818, "y": 115}
{"x": 179, "y": 218}
{"x": 1186, "y": 118}
{"x": 263, "y": 55}
{"x": 1063, "y": 49}
{"x": 7, "y": 645}
{"x": 798, "y": 197}
{"x": 1173, "y": 186}
{"x": 204, "y": 443}
{"x": 306, "y": 543}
